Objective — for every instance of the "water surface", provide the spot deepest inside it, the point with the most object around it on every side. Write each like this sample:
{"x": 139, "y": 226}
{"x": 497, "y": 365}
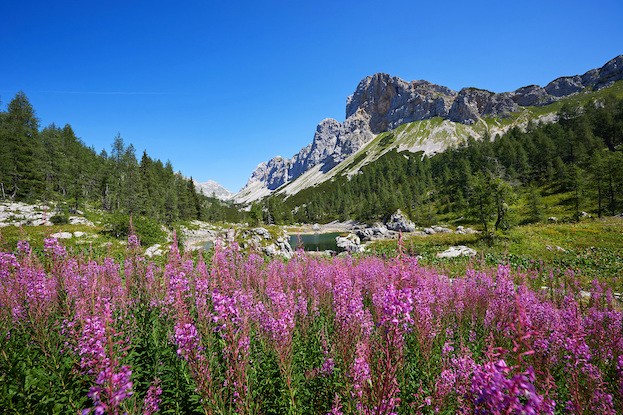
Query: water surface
{"x": 315, "y": 241}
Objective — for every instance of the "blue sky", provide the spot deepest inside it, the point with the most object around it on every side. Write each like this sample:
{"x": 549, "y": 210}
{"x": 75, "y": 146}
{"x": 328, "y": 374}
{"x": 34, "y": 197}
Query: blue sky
{"x": 218, "y": 87}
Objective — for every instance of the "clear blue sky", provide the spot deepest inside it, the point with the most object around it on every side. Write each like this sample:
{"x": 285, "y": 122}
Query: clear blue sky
{"x": 218, "y": 87}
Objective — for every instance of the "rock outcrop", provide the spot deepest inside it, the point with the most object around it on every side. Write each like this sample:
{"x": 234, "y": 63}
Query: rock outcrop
{"x": 382, "y": 102}
{"x": 400, "y": 223}
{"x": 375, "y": 232}
{"x": 389, "y": 101}
{"x": 261, "y": 240}
{"x": 471, "y": 104}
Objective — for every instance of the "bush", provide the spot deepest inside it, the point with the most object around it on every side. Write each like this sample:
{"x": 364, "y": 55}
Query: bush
{"x": 149, "y": 231}
{"x": 60, "y": 219}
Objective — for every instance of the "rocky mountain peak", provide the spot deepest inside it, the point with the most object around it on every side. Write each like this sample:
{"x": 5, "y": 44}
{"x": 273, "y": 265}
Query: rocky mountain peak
{"x": 212, "y": 188}
{"x": 389, "y": 101}
{"x": 382, "y": 102}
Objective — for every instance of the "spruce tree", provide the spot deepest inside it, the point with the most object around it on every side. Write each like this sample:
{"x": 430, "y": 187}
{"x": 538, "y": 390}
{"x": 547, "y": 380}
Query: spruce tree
{"x": 22, "y": 172}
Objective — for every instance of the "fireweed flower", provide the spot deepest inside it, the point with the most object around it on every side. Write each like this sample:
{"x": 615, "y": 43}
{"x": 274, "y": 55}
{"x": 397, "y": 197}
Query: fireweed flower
{"x": 133, "y": 242}
{"x": 111, "y": 388}
{"x": 496, "y": 391}
{"x": 152, "y": 398}
{"x": 360, "y": 375}
{"x": 187, "y": 339}
{"x": 112, "y": 382}
{"x": 52, "y": 247}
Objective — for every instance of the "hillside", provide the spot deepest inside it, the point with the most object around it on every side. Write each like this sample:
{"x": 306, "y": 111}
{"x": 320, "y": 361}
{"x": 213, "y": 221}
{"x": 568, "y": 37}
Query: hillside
{"x": 437, "y": 134}
{"x": 426, "y": 117}
{"x": 567, "y": 167}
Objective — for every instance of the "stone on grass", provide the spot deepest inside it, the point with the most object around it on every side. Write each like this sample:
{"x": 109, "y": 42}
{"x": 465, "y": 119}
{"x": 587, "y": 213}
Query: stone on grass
{"x": 62, "y": 235}
{"x": 457, "y": 251}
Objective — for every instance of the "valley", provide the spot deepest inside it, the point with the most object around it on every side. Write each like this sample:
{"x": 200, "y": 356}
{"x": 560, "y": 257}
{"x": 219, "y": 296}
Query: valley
{"x": 438, "y": 251}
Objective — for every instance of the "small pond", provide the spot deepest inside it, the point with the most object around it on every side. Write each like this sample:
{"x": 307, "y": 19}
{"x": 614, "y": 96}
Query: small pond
{"x": 315, "y": 241}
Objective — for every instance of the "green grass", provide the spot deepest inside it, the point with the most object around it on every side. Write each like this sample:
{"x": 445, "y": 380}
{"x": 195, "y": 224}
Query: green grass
{"x": 581, "y": 98}
{"x": 92, "y": 242}
{"x": 592, "y": 248}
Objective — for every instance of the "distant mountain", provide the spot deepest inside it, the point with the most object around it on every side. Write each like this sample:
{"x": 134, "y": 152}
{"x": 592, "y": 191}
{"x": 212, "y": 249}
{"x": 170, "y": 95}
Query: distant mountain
{"x": 212, "y": 188}
{"x": 382, "y": 103}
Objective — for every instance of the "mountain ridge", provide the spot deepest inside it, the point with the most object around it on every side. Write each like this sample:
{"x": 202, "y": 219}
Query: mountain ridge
{"x": 382, "y": 102}
{"x": 211, "y": 188}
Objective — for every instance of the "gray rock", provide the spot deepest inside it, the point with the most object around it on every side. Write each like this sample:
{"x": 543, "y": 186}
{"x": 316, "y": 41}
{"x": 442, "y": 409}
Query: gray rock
{"x": 606, "y": 75}
{"x": 263, "y": 232}
{"x": 333, "y": 142}
{"x": 441, "y": 229}
{"x": 400, "y": 223}
{"x": 79, "y": 220}
{"x": 389, "y": 101}
{"x": 350, "y": 243}
{"x": 211, "y": 188}
{"x": 429, "y": 231}
{"x": 471, "y": 104}
{"x": 79, "y": 234}
{"x": 532, "y": 95}
{"x": 378, "y": 231}
{"x": 62, "y": 235}
{"x": 456, "y": 251}
{"x": 279, "y": 248}
{"x": 153, "y": 251}
{"x": 465, "y": 231}
{"x": 564, "y": 86}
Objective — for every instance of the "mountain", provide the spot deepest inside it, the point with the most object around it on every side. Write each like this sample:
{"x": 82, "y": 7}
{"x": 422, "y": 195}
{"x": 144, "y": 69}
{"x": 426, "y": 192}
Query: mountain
{"x": 212, "y": 188}
{"x": 431, "y": 116}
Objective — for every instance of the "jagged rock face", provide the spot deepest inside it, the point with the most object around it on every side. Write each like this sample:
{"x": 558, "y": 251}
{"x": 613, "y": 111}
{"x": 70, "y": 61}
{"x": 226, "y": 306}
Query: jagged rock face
{"x": 323, "y": 147}
{"x": 607, "y": 74}
{"x": 333, "y": 142}
{"x": 471, "y": 104}
{"x": 277, "y": 172}
{"x": 531, "y": 95}
{"x": 355, "y": 133}
{"x": 594, "y": 79}
{"x": 272, "y": 174}
{"x": 389, "y": 101}
{"x": 564, "y": 86}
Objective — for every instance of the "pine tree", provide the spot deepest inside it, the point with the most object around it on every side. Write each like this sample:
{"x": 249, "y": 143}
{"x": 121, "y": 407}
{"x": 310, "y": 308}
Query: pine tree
{"x": 23, "y": 152}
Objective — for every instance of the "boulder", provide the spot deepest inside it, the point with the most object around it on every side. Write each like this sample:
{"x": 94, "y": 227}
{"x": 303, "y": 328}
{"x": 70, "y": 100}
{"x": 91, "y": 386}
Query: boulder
{"x": 399, "y": 222}
{"x": 465, "y": 231}
{"x": 350, "y": 243}
{"x": 457, "y": 251}
{"x": 378, "y": 231}
{"x": 153, "y": 251}
{"x": 62, "y": 235}
{"x": 79, "y": 220}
